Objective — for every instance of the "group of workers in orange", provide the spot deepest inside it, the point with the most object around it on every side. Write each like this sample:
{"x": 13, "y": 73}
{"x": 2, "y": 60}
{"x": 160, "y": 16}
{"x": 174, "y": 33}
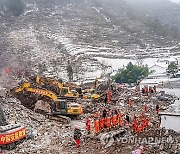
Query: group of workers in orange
{"x": 105, "y": 121}
{"x": 140, "y": 123}
{"x": 151, "y": 90}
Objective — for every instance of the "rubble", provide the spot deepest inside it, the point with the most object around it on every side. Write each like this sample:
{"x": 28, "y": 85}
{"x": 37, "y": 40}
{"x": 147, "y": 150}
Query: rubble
{"x": 45, "y": 136}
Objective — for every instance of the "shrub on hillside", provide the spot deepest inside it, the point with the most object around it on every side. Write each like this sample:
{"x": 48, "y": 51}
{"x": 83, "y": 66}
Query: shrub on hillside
{"x": 131, "y": 74}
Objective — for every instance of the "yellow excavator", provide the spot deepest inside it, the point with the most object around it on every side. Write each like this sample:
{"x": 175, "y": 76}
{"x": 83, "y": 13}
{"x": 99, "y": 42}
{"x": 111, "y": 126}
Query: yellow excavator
{"x": 54, "y": 107}
{"x": 56, "y": 86}
{"x": 63, "y": 89}
{"x": 91, "y": 91}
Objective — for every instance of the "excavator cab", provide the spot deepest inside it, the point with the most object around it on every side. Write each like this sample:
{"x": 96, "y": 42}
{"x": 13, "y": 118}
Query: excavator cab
{"x": 67, "y": 108}
{"x": 69, "y": 94}
{"x": 74, "y": 109}
{"x": 61, "y": 106}
{"x": 64, "y": 91}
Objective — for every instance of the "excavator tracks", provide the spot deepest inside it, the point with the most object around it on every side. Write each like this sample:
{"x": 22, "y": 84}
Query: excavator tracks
{"x": 58, "y": 118}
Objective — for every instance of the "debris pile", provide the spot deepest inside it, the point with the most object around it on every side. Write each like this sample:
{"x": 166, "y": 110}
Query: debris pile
{"x": 43, "y": 135}
{"x": 46, "y": 136}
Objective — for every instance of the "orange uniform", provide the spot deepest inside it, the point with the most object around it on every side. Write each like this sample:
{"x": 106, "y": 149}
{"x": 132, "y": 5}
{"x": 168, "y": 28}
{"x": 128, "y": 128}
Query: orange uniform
{"x": 146, "y": 90}
{"x": 139, "y": 128}
{"x": 145, "y": 108}
{"x": 114, "y": 120}
{"x": 146, "y": 122}
{"x": 88, "y": 126}
{"x": 120, "y": 119}
{"x": 134, "y": 126}
{"x": 130, "y": 103}
{"x": 108, "y": 122}
{"x": 108, "y": 94}
{"x": 96, "y": 126}
{"x": 102, "y": 121}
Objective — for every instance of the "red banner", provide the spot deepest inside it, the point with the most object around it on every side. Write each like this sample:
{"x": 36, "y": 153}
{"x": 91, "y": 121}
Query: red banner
{"x": 12, "y": 137}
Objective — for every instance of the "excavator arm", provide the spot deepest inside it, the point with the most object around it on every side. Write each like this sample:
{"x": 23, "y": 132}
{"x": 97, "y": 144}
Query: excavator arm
{"x": 40, "y": 80}
{"x": 64, "y": 89}
{"x": 26, "y": 87}
{"x": 43, "y": 92}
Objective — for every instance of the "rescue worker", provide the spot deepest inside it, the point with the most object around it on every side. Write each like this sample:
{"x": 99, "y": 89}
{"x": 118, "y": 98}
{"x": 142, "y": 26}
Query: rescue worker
{"x": 130, "y": 103}
{"x": 77, "y": 136}
{"x": 127, "y": 119}
{"x": 157, "y": 109}
{"x": 114, "y": 119}
{"x": 108, "y": 122}
{"x": 146, "y": 90}
{"x": 102, "y": 121}
{"x": 143, "y": 91}
{"x": 155, "y": 90}
{"x": 96, "y": 115}
{"x": 105, "y": 99}
{"x": 134, "y": 125}
{"x": 145, "y": 107}
{"x": 141, "y": 123}
{"x": 96, "y": 125}
{"x": 88, "y": 125}
{"x": 104, "y": 113}
{"x": 146, "y": 122}
{"x": 139, "y": 127}
{"x": 120, "y": 121}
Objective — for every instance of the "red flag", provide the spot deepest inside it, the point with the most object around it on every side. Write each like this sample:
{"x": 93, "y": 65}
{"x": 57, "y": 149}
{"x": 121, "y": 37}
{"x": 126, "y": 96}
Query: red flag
{"x": 8, "y": 70}
{"x": 108, "y": 96}
{"x": 19, "y": 72}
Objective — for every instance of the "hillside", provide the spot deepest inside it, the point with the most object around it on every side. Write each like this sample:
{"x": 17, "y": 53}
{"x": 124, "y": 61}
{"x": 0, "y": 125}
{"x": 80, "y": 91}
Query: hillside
{"x": 49, "y": 33}
{"x": 164, "y": 11}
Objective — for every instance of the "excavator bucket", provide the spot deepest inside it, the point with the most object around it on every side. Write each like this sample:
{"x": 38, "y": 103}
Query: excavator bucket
{"x": 95, "y": 96}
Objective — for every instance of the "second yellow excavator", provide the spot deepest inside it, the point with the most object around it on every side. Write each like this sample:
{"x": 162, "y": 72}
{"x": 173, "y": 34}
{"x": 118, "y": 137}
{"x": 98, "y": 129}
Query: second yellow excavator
{"x": 63, "y": 89}
{"x": 56, "y": 86}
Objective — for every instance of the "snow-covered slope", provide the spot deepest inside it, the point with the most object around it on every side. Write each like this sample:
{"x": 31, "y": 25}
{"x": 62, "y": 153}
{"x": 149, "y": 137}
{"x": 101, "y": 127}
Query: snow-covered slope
{"x": 85, "y": 33}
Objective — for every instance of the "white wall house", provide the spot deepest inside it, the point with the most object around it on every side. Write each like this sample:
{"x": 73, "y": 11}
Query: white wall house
{"x": 170, "y": 121}
{"x": 158, "y": 75}
{"x": 158, "y": 69}
{"x": 162, "y": 64}
{"x": 168, "y": 60}
{"x": 151, "y": 80}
